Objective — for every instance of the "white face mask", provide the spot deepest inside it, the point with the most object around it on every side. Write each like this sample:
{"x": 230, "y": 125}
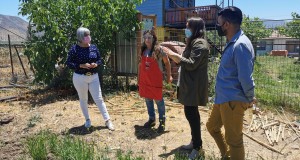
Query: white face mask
{"x": 87, "y": 39}
{"x": 188, "y": 33}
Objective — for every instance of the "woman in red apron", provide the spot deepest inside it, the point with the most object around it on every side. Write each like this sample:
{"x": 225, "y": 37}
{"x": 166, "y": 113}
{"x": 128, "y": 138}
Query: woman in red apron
{"x": 151, "y": 78}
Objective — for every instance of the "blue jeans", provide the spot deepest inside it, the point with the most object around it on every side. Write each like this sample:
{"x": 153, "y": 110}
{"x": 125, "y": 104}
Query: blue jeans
{"x": 160, "y": 106}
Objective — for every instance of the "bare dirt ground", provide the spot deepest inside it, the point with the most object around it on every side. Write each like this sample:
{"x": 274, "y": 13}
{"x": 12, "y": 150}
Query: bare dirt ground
{"x": 59, "y": 112}
{"x": 128, "y": 112}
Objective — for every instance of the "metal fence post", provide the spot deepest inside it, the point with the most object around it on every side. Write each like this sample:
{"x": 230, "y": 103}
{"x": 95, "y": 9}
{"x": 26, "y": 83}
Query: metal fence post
{"x": 10, "y": 54}
{"x": 21, "y": 61}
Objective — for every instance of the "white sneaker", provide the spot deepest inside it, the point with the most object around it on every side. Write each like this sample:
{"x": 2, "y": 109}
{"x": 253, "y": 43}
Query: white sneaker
{"x": 189, "y": 146}
{"x": 195, "y": 154}
{"x": 109, "y": 125}
{"x": 88, "y": 123}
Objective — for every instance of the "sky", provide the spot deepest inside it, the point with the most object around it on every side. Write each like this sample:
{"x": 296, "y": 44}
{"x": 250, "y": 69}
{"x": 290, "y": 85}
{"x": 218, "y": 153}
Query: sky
{"x": 10, "y": 7}
{"x": 264, "y": 9}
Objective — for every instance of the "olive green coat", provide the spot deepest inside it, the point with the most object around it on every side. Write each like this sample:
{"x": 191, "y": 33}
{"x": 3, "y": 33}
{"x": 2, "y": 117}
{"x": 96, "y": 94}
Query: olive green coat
{"x": 193, "y": 84}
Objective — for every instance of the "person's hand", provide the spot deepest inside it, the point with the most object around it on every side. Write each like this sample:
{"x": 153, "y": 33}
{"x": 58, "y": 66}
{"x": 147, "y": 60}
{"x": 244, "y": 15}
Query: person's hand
{"x": 170, "y": 79}
{"x": 165, "y": 50}
{"x": 86, "y": 66}
{"x": 94, "y": 65}
{"x": 254, "y": 101}
{"x": 255, "y": 109}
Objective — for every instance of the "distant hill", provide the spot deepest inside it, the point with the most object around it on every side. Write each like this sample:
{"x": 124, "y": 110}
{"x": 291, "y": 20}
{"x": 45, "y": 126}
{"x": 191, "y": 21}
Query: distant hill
{"x": 14, "y": 24}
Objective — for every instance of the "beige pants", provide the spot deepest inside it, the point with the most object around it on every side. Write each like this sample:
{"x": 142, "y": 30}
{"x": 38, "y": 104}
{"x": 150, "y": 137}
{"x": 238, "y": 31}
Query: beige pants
{"x": 229, "y": 114}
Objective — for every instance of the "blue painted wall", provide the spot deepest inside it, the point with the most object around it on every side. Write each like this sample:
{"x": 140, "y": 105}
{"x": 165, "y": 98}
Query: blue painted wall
{"x": 156, "y": 7}
{"x": 152, "y": 7}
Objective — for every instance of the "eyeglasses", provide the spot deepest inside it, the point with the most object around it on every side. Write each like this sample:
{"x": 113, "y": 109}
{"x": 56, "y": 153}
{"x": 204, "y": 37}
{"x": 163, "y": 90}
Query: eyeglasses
{"x": 148, "y": 37}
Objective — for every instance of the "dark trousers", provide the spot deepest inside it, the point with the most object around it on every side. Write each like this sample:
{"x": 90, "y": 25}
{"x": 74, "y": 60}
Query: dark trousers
{"x": 193, "y": 116}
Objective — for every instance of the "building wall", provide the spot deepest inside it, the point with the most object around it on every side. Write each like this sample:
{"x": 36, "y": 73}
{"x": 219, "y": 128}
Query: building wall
{"x": 150, "y": 7}
{"x": 291, "y": 45}
{"x": 279, "y": 44}
{"x": 268, "y": 47}
{"x": 160, "y": 33}
{"x": 126, "y": 55}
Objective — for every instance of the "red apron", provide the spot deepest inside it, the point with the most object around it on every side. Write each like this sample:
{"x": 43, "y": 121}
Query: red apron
{"x": 150, "y": 79}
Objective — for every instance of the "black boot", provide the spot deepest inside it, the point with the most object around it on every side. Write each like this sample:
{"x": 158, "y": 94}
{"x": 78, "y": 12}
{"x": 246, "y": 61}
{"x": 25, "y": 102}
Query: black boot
{"x": 162, "y": 126}
{"x": 150, "y": 123}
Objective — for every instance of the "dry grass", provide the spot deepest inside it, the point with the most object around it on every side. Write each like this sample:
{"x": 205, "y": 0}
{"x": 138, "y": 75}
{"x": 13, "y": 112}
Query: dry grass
{"x": 7, "y": 78}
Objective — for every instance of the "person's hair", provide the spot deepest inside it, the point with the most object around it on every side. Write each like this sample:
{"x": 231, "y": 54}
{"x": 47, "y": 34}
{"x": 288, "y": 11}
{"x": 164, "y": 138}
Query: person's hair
{"x": 81, "y": 31}
{"x": 154, "y": 43}
{"x": 197, "y": 27}
{"x": 232, "y": 15}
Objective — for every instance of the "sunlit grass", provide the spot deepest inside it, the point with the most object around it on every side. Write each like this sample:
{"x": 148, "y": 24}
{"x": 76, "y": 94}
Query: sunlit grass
{"x": 45, "y": 145}
{"x": 277, "y": 82}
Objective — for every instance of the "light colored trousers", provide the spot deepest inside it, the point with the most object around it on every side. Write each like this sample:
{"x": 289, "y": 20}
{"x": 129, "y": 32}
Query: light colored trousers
{"x": 230, "y": 115}
{"x": 83, "y": 84}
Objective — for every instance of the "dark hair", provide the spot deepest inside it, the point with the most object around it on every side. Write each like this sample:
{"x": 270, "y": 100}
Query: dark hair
{"x": 151, "y": 32}
{"x": 197, "y": 26}
{"x": 232, "y": 15}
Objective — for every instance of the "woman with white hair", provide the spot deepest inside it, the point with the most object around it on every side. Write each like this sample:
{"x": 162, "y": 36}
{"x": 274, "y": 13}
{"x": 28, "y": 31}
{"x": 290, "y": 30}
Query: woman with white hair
{"x": 84, "y": 58}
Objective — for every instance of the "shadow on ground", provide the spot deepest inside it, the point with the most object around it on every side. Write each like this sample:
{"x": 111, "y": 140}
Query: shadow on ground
{"x": 179, "y": 153}
{"x": 147, "y": 133}
{"x": 81, "y": 130}
{"x": 39, "y": 97}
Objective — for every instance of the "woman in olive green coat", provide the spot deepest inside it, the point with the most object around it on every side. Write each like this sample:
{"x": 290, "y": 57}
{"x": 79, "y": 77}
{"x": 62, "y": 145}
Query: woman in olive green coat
{"x": 193, "y": 81}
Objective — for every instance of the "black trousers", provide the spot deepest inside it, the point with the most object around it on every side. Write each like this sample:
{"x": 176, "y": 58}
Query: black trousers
{"x": 193, "y": 116}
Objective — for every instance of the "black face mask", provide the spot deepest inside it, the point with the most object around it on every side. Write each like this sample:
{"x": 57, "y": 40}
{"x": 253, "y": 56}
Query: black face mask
{"x": 220, "y": 31}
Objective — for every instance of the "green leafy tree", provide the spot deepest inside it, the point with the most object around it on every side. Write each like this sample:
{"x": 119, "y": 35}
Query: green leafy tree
{"x": 255, "y": 29}
{"x": 292, "y": 28}
{"x": 53, "y": 25}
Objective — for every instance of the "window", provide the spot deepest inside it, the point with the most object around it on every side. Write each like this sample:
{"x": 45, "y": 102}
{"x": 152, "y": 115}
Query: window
{"x": 190, "y": 3}
{"x": 293, "y": 46}
{"x": 261, "y": 45}
{"x": 172, "y": 4}
{"x": 177, "y": 3}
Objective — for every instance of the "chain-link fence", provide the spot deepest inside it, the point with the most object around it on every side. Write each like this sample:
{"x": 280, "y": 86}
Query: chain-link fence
{"x": 276, "y": 74}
